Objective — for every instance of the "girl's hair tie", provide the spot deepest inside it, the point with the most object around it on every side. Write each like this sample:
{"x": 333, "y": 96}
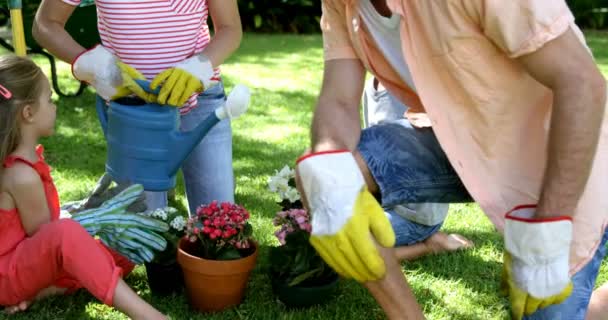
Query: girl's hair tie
{"x": 4, "y": 92}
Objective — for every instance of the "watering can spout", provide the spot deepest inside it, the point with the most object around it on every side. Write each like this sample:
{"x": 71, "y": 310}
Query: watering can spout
{"x": 184, "y": 142}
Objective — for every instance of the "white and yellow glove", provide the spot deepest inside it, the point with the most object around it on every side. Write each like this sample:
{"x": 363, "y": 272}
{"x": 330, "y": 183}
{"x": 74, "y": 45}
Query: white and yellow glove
{"x": 536, "y": 269}
{"x": 108, "y": 75}
{"x": 346, "y": 218}
{"x": 190, "y": 76}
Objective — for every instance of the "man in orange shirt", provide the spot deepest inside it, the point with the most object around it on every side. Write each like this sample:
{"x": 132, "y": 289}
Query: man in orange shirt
{"x": 505, "y": 104}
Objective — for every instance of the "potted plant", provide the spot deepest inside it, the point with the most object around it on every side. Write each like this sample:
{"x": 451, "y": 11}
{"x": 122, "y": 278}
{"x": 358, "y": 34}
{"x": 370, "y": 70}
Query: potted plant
{"x": 300, "y": 277}
{"x": 164, "y": 274}
{"x": 217, "y": 256}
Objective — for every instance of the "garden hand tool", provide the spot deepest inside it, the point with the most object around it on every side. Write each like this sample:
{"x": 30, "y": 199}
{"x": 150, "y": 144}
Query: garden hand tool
{"x": 104, "y": 71}
{"x": 192, "y": 75}
{"x": 15, "y": 7}
{"x": 536, "y": 269}
{"x": 101, "y": 193}
{"x": 346, "y": 218}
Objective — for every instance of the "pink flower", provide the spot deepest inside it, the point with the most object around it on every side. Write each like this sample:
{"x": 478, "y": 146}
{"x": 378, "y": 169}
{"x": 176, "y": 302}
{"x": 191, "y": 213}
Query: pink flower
{"x": 281, "y": 234}
{"x": 301, "y": 219}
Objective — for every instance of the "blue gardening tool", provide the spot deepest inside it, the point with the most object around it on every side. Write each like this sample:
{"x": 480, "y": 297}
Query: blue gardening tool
{"x": 145, "y": 145}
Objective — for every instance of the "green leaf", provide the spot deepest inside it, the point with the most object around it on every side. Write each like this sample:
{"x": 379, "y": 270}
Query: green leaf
{"x": 305, "y": 276}
{"x": 248, "y": 231}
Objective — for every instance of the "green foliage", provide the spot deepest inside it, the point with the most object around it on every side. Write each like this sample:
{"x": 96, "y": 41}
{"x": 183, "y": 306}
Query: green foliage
{"x": 297, "y": 263}
{"x": 294, "y": 16}
{"x": 590, "y": 13}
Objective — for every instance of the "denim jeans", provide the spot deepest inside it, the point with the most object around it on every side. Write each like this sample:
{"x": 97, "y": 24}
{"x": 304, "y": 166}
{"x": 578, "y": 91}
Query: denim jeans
{"x": 415, "y": 178}
{"x": 208, "y": 173}
{"x": 575, "y": 307}
{"x": 410, "y": 168}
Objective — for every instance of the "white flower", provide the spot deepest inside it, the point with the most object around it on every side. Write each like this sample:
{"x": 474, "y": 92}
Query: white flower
{"x": 159, "y": 213}
{"x": 179, "y": 223}
{"x": 286, "y": 172}
{"x": 170, "y": 210}
{"x": 277, "y": 183}
{"x": 292, "y": 195}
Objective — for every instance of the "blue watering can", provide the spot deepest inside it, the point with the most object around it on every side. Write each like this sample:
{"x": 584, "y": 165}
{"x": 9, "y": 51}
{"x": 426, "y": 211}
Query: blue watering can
{"x": 144, "y": 142}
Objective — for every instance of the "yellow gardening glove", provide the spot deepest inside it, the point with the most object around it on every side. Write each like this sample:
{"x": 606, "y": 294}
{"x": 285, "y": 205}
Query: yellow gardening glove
{"x": 536, "y": 268}
{"x": 129, "y": 86}
{"x": 190, "y": 76}
{"x": 346, "y": 218}
{"x": 522, "y": 303}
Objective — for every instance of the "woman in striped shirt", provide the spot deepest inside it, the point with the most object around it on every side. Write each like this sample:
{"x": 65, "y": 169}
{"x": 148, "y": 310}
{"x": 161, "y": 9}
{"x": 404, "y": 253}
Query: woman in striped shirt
{"x": 169, "y": 43}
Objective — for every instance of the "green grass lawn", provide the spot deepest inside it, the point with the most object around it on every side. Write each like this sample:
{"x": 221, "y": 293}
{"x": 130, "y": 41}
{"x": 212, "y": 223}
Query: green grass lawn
{"x": 284, "y": 73}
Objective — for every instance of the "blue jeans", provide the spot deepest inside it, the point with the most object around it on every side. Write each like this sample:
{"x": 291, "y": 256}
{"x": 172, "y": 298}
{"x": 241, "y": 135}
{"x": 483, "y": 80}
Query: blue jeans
{"x": 208, "y": 173}
{"x": 575, "y": 307}
{"x": 409, "y": 166}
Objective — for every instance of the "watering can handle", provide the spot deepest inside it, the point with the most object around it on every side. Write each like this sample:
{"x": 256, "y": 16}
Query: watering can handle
{"x": 145, "y": 84}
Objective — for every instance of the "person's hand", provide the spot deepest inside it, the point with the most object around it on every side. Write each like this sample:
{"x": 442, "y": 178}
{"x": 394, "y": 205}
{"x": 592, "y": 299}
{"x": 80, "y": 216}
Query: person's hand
{"x": 190, "y": 76}
{"x": 129, "y": 86}
{"x": 111, "y": 78}
{"x": 346, "y": 218}
{"x": 535, "y": 269}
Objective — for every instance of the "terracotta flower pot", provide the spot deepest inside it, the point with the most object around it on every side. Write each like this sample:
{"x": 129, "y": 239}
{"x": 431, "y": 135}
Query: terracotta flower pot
{"x": 214, "y": 285}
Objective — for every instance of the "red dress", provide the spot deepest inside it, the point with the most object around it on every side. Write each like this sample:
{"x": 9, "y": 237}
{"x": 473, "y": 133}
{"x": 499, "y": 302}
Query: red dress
{"x": 61, "y": 253}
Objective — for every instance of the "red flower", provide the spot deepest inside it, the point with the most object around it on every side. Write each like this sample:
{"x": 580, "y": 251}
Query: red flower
{"x": 219, "y": 225}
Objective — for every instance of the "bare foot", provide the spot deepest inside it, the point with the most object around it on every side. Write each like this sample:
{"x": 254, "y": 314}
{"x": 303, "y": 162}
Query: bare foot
{"x": 23, "y": 305}
{"x": 20, "y": 307}
{"x": 440, "y": 242}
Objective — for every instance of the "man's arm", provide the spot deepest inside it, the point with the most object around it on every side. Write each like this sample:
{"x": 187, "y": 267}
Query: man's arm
{"x": 336, "y": 122}
{"x": 579, "y": 99}
{"x": 49, "y": 30}
{"x": 228, "y": 30}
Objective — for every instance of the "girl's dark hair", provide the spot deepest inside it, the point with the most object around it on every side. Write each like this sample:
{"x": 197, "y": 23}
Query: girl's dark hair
{"x": 23, "y": 81}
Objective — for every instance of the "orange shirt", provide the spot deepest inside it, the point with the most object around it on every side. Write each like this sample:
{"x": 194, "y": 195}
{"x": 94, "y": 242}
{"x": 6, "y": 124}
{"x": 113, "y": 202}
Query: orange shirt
{"x": 490, "y": 116}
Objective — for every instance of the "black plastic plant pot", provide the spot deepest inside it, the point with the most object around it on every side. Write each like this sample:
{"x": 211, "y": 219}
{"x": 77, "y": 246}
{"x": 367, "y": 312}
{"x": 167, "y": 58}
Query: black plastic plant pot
{"x": 164, "y": 279}
{"x": 305, "y": 296}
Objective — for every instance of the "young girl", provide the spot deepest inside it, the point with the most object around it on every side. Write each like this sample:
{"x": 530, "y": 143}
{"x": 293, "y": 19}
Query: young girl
{"x": 40, "y": 254}
{"x": 170, "y": 43}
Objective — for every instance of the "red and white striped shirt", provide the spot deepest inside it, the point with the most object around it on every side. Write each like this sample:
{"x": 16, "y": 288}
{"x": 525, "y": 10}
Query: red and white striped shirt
{"x": 153, "y": 35}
